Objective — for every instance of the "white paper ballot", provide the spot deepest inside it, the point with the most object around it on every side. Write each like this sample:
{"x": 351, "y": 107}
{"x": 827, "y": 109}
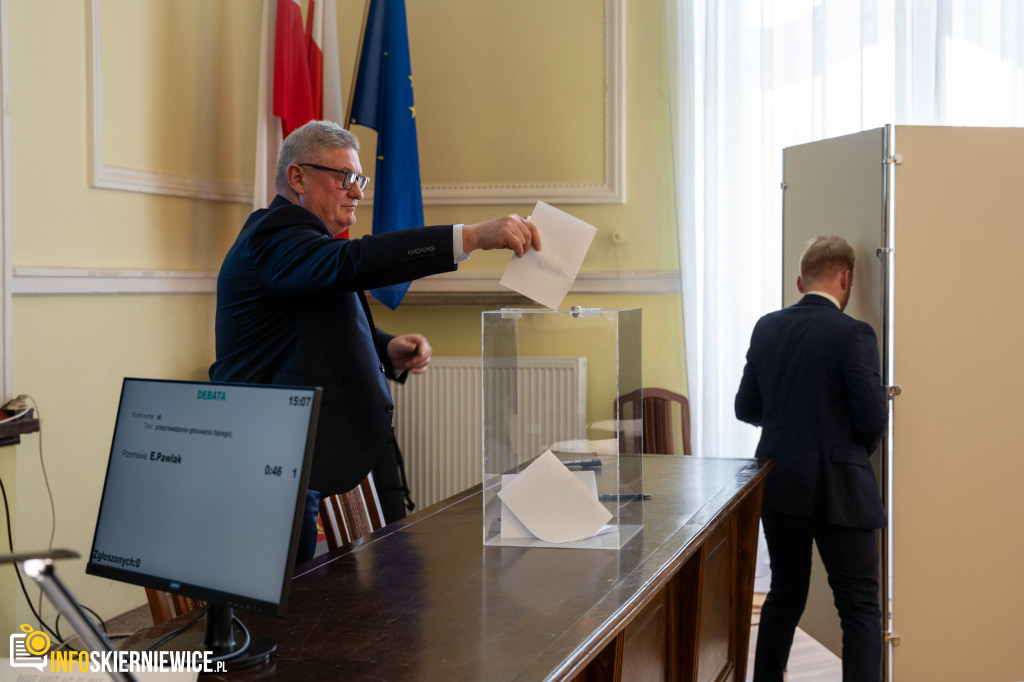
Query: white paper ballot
{"x": 546, "y": 275}
{"x": 512, "y": 527}
{"x": 552, "y": 503}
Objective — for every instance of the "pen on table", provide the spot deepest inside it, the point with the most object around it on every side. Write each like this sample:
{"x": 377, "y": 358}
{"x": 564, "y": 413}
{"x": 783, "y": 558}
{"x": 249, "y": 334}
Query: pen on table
{"x": 585, "y": 463}
{"x": 635, "y": 496}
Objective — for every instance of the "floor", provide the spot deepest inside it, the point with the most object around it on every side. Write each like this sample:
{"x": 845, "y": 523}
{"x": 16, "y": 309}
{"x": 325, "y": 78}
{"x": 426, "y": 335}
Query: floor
{"x": 809, "y": 661}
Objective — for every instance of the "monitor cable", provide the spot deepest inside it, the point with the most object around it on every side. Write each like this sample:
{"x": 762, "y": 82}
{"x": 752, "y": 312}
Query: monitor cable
{"x": 55, "y": 631}
{"x": 17, "y": 571}
{"x": 245, "y": 644}
{"x": 46, "y": 481}
{"x": 197, "y": 614}
{"x": 99, "y": 620}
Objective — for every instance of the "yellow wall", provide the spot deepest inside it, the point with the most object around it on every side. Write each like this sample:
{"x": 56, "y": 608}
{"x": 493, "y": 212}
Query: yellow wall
{"x": 178, "y": 93}
{"x": 71, "y": 359}
{"x": 70, "y": 353}
{"x": 647, "y": 219}
{"x": 57, "y": 219}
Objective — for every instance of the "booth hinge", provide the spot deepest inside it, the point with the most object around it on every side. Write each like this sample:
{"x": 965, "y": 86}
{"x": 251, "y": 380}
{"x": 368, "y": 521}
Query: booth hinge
{"x": 893, "y": 391}
{"x": 892, "y": 638}
{"x": 883, "y": 251}
{"x": 895, "y": 158}
{"x": 782, "y": 185}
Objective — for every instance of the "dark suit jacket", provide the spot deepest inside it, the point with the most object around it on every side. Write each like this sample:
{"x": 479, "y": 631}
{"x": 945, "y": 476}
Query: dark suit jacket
{"x": 812, "y": 383}
{"x": 290, "y": 310}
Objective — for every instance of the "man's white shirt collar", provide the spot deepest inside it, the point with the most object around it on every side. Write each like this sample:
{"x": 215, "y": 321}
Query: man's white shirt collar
{"x": 828, "y": 296}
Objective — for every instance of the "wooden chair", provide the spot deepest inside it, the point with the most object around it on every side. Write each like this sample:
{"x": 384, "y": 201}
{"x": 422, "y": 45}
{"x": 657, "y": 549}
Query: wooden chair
{"x": 165, "y": 605}
{"x": 351, "y": 515}
{"x": 657, "y": 406}
{"x": 344, "y": 517}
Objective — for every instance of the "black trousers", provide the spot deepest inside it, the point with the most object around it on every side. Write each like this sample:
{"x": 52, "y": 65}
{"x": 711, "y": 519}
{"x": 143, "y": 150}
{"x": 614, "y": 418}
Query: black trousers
{"x": 850, "y": 556}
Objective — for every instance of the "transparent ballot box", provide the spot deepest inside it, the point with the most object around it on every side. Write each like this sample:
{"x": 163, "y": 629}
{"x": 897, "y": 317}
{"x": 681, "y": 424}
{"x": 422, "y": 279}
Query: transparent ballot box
{"x": 550, "y": 383}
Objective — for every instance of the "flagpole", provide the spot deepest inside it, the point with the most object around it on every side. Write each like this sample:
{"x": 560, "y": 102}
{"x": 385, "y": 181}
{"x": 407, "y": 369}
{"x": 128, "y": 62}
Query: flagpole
{"x": 355, "y": 71}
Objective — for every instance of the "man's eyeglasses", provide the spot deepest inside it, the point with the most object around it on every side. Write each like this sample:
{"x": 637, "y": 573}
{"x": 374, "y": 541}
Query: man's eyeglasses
{"x": 348, "y": 178}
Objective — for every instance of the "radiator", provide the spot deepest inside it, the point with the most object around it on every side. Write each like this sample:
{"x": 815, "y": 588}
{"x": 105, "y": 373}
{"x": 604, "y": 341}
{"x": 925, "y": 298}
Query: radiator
{"x": 438, "y": 417}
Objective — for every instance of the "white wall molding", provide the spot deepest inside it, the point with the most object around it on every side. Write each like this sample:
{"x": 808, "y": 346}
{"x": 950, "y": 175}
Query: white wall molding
{"x": 97, "y": 282}
{"x": 612, "y": 188}
{"x": 106, "y": 176}
{"x": 28, "y": 281}
{"x": 645, "y": 282}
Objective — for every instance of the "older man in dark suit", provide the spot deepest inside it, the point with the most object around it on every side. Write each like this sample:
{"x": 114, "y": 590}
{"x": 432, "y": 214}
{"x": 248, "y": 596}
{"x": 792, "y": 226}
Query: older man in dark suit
{"x": 290, "y": 307}
{"x": 812, "y": 383}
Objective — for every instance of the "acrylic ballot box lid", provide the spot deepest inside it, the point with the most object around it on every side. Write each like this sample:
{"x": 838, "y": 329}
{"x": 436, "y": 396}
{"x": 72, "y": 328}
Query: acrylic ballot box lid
{"x": 550, "y": 383}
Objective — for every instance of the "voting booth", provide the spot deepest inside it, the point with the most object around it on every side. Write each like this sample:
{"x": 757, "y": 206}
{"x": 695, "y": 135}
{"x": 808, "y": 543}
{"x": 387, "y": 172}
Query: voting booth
{"x": 570, "y": 475}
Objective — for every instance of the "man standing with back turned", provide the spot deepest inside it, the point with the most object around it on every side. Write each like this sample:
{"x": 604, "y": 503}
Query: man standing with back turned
{"x": 812, "y": 383}
{"x": 291, "y": 309}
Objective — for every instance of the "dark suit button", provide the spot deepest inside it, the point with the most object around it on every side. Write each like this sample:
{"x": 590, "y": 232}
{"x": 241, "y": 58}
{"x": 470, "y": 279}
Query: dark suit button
{"x": 389, "y": 409}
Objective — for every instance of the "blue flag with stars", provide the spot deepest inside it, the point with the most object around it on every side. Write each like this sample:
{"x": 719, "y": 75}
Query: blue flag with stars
{"x": 383, "y": 101}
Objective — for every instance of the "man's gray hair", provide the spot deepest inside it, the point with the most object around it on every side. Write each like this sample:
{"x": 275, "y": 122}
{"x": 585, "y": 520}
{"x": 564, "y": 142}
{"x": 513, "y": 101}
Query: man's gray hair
{"x": 825, "y": 255}
{"x": 307, "y": 143}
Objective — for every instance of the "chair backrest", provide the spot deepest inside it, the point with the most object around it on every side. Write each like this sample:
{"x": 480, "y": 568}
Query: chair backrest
{"x": 345, "y": 517}
{"x": 351, "y": 515}
{"x": 166, "y": 605}
{"x": 657, "y": 406}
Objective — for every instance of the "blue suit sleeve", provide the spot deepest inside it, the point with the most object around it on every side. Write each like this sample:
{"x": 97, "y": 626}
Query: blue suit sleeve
{"x": 383, "y": 339}
{"x": 748, "y": 405}
{"x": 861, "y": 370}
{"x": 300, "y": 258}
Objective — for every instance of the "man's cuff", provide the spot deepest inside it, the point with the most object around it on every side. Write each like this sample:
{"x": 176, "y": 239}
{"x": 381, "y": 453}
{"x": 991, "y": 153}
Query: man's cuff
{"x": 457, "y": 251}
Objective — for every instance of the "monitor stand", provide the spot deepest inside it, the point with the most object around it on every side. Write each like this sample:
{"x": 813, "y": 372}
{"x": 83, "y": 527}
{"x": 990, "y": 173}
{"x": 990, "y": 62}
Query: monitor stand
{"x": 219, "y": 638}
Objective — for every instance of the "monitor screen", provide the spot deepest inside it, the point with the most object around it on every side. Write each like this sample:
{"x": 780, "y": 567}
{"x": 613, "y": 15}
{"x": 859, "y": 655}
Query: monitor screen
{"x": 204, "y": 490}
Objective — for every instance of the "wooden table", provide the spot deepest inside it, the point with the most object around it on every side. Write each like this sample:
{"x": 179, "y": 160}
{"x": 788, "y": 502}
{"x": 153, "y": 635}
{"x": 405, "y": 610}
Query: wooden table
{"x": 423, "y": 599}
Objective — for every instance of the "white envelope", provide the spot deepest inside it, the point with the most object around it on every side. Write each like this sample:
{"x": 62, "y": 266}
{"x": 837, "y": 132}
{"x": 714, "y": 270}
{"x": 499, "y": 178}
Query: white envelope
{"x": 552, "y": 503}
{"x": 546, "y": 275}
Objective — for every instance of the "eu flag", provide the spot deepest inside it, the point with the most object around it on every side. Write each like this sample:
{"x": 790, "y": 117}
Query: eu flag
{"x": 383, "y": 101}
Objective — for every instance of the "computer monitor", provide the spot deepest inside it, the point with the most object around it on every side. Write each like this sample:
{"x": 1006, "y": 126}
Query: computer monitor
{"x": 204, "y": 495}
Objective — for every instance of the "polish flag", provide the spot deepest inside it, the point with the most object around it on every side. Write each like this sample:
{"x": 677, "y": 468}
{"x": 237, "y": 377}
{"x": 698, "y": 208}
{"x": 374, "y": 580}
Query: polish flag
{"x": 324, "y": 44}
{"x": 268, "y": 126}
{"x": 285, "y": 94}
{"x": 285, "y": 97}
{"x": 300, "y": 80}
{"x": 293, "y": 88}
{"x": 323, "y": 65}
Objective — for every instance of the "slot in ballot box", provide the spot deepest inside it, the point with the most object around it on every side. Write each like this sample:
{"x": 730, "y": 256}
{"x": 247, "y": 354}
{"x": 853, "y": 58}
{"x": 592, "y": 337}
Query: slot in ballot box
{"x": 550, "y": 383}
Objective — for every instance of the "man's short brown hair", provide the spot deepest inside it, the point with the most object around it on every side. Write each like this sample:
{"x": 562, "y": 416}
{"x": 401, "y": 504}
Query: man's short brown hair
{"x": 824, "y": 256}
